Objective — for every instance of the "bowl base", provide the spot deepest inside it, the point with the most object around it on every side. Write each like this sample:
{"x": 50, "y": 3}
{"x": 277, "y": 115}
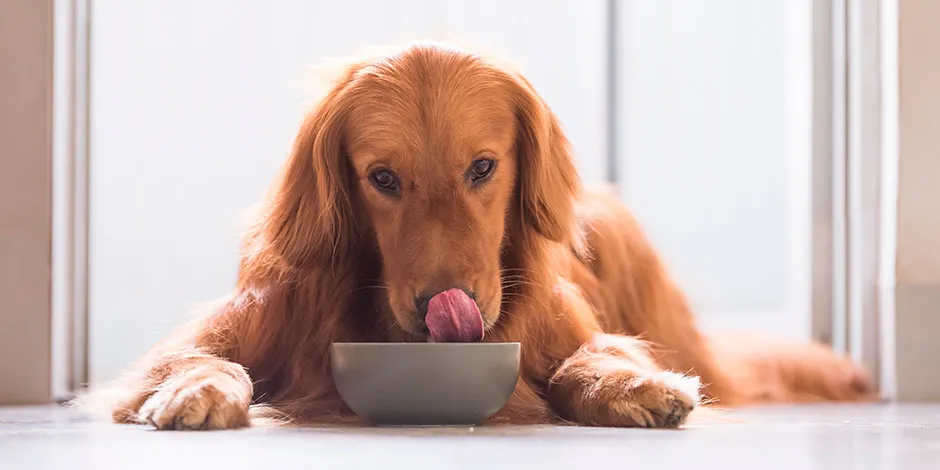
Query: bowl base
{"x": 451, "y": 426}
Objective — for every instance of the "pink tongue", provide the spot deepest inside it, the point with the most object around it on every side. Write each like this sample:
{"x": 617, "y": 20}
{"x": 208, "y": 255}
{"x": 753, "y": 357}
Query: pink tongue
{"x": 453, "y": 317}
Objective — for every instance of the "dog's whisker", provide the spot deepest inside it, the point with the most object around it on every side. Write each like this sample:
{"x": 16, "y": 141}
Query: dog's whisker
{"x": 508, "y": 314}
{"x": 377, "y": 287}
{"x": 518, "y": 282}
{"x": 516, "y": 295}
{"x": 516, "y": 269}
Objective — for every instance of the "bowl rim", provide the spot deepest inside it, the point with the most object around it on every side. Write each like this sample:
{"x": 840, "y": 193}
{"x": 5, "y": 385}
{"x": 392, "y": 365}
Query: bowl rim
{"x": 450, "y": 345}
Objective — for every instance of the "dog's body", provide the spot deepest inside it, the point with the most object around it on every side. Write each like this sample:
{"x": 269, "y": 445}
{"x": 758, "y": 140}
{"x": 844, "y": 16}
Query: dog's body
{"x": 433, "y": 169}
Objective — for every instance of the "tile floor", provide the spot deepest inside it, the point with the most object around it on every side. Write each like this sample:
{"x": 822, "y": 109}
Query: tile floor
{"x": 825, "y": 437}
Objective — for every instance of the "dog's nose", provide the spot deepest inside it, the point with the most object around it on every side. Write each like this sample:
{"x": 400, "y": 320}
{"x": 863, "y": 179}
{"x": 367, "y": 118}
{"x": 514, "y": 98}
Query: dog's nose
{"x": 424, "y": 299}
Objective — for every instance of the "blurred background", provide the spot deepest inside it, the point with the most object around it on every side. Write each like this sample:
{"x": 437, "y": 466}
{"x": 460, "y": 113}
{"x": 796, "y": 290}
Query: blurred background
{"x": 699, "y": 112}
{"x": 756, "y": 142}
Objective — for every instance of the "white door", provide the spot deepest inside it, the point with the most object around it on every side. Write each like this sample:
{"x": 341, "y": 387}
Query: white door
{"x": 714, "y": 151}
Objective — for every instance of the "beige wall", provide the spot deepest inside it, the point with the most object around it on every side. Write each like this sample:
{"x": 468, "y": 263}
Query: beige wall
{"x": 917, "y": 314}
{"x": 919, "y": 195}
{"x": 25, "y": 199}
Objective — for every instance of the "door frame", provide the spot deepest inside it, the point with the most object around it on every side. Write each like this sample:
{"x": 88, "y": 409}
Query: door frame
{"x": 70, "y": 209}
{"x": 855, "y": 181}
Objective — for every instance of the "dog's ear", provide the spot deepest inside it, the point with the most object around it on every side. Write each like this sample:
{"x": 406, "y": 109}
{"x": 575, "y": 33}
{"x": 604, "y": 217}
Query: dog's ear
{"x": 548, "y": 181}
{"x": 308, "y": 218}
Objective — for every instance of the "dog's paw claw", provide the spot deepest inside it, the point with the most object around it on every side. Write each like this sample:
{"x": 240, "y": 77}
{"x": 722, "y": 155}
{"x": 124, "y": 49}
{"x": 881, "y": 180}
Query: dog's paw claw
{"x": 663, "y": 400}
{"x": 195, "y": 402}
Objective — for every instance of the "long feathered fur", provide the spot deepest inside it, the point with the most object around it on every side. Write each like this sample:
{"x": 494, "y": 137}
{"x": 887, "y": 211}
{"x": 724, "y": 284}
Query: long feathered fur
{"x": 608, "y": 338}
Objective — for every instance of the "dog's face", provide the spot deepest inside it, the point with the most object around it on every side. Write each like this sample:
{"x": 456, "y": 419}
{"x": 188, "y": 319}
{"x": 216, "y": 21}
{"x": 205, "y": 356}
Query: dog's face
{"x": 433, "y": 153}
{"x": 436, "y": 158}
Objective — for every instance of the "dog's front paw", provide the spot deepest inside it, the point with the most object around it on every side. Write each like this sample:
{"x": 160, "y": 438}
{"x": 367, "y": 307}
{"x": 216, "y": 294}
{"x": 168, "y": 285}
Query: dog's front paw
{"x": 654, "y": 400}
{"x": 203, "y": 398}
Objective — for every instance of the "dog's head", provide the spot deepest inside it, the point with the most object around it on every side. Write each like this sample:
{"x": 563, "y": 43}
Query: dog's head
{"x": 436, "y": 159}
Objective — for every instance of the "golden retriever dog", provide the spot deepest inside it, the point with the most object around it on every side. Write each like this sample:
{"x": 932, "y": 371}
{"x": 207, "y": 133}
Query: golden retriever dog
{"x": 432, "y": 196}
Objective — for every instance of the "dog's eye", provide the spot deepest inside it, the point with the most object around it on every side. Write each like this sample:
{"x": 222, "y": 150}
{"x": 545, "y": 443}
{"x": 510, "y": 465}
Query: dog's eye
{"x": 385, "y": 181}
{"x": 481, "y": 169}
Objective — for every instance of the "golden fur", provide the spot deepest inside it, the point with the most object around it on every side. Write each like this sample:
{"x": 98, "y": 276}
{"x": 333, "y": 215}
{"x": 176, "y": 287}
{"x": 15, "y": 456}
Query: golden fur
{"x": 566, "y": 272}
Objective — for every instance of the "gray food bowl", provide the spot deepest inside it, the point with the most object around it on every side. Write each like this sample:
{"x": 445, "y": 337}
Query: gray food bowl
{"x": 425, "y": 384}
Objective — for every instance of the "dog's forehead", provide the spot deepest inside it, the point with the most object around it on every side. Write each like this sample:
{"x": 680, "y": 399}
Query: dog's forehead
{"x": 437, "y": 110}
{"x": 437, "y": 129}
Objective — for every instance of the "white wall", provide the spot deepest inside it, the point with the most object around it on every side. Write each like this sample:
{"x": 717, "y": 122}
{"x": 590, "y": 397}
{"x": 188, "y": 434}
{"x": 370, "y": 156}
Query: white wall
{"x": 714, "y": 143}
{"x": 194, "y": 105}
